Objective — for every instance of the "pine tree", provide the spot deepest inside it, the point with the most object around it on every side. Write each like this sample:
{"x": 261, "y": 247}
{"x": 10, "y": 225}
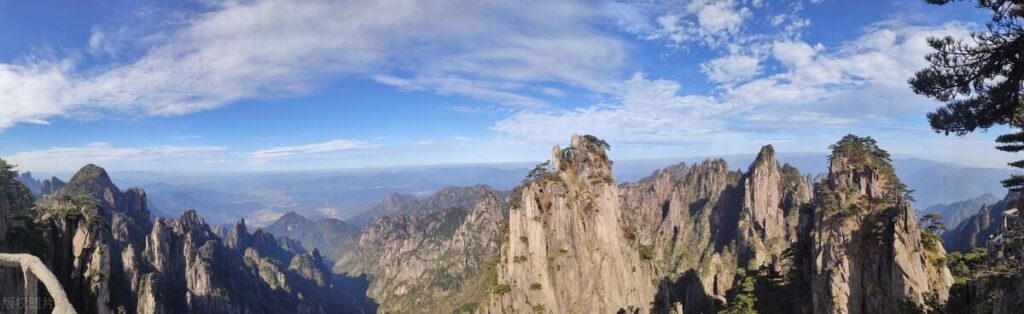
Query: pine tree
{"x": 981, "y": 80}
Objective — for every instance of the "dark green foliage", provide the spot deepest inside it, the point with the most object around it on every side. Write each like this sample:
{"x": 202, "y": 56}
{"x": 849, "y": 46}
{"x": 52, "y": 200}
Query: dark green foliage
{"x": 16, "y": 194}
{"x": 535, "y": 286}
{"x": 630, "y": 232}
{"x": 646, "y": 252}
{"x": 766, "y": 290}
{"x": 980, "y": 80}
{"x": 743, "y": 294}
{"x": 599, "y": 142}
{"x": 502, "y": 289}
{"x": 539, "y": 171}
{"x": 1013, "y": 142}
{"x": 467, "y": 308}
{"x": 933, "y": 226}
{"x": 491, "y": 272}
{"x": 29, "y": 239}
{"x": 858, "y": 150}
{"x": 965, "y": 266}
{"x": 26, "y": 236}
{"x": 933, "y": 223}
{"x": 932, "y": 305}
{"x": 863, "y": 153}
{"x": 515, "y": 199}
{"x": 931, "y": 241}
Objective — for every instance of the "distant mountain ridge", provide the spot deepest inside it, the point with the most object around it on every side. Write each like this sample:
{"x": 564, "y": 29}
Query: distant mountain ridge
{"x": 974, "y": 231}
{"x": 332, "y": 236}
{"x": 351, "y": 195}
{"x": 447, "y": 197}
{"x": 570, "y": 238}
{"x": 954, "y": 213}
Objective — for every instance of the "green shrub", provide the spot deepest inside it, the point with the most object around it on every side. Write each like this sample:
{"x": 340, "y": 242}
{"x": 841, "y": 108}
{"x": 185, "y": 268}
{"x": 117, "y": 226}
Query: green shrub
{"x": 535, "y": 286}
{"x": 647, "y": 252}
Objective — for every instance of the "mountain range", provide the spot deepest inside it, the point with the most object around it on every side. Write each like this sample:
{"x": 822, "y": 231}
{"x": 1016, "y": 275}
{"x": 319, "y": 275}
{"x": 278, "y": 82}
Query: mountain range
{"x": 353, "y": 195}
{"x": 698, "y": 237}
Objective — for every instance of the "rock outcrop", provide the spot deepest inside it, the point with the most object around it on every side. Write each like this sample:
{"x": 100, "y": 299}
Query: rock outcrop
{"x": 976, "y": 230}
{"x": 431, "y": 260}
{"x": 331, "y": 236}
{"x": 868, "y": 253}
{"x": 111, "y": 257}
{"x": 689, "y": 238}
{"x": 567, "y": 249}
{"x": 700, "y": 224}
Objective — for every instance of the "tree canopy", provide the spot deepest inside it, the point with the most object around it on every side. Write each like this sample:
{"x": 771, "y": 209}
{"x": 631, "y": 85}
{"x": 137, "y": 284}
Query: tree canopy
{"x": 981, "y": 80}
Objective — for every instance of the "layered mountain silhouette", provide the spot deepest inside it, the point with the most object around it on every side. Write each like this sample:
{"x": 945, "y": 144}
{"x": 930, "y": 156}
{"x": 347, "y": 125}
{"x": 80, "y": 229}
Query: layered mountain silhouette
{"x": 690, "y": 238}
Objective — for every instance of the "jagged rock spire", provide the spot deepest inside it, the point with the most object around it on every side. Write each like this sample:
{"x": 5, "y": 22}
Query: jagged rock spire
{"x": 762, "y": 224}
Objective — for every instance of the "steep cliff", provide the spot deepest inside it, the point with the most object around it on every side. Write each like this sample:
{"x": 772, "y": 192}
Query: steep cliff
{"x": 90, "y": 224}
{"x": 976, "y": 230}
{"x": 18, "y": 231}
{"x": 868, "y": 252}
{"x": 701, "y": 224}
{"x": 431, "y": 260}
{"x": 567, "y": 249}
{"x": 110, "y": 257}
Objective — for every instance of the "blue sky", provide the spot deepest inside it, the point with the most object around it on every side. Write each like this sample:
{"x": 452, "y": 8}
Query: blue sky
{"x": 277, "y": 85}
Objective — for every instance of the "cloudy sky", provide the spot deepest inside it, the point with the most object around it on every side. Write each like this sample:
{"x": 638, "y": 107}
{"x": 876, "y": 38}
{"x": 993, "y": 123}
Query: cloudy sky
{"x": 271, "y": 85}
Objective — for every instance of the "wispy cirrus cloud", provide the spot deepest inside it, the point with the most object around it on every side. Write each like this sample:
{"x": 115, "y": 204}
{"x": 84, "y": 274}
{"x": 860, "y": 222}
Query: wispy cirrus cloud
{"x": 231, "y": 51}
{"x": 860, "y": 83}
{"x": 333, "y": 146}
{"x": 70, "y": 158}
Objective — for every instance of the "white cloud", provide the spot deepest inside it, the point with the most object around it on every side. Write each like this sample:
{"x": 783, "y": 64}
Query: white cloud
{"x": 864, "y": 78}
{"x": 794, "y": 53}
{"x": 731, "y": 68}
{"x": 719, "y": 16}
{"x": 274, "y": 48}
{"x": 332, "y": 146}
{"x": 645, "y": 111}
{"x": 857, "y": 84}
{"x": 67, "y": 159}
{"x": 714, "y": 23}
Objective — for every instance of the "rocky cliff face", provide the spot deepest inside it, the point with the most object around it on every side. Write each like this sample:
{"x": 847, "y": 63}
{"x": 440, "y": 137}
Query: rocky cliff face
{"x": 18, "y": 233}
{"x": 692, "y": 238}
{"x": 332, "y": 236}
{"x": 680, "y": 237}
{"x": 430, "y": 260}
{"x": 699, "y": 224}
{"x": 30, "y": 182}
{"x": 567, "y": 249}
{"x": 976, "y": 230}
{"x": 90, "y": 225}
{"x": 867, "y": 249}
{"x": 769, "y": 217}
{"x": 111, "y": 257}
{"x": 448, "y": 197}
